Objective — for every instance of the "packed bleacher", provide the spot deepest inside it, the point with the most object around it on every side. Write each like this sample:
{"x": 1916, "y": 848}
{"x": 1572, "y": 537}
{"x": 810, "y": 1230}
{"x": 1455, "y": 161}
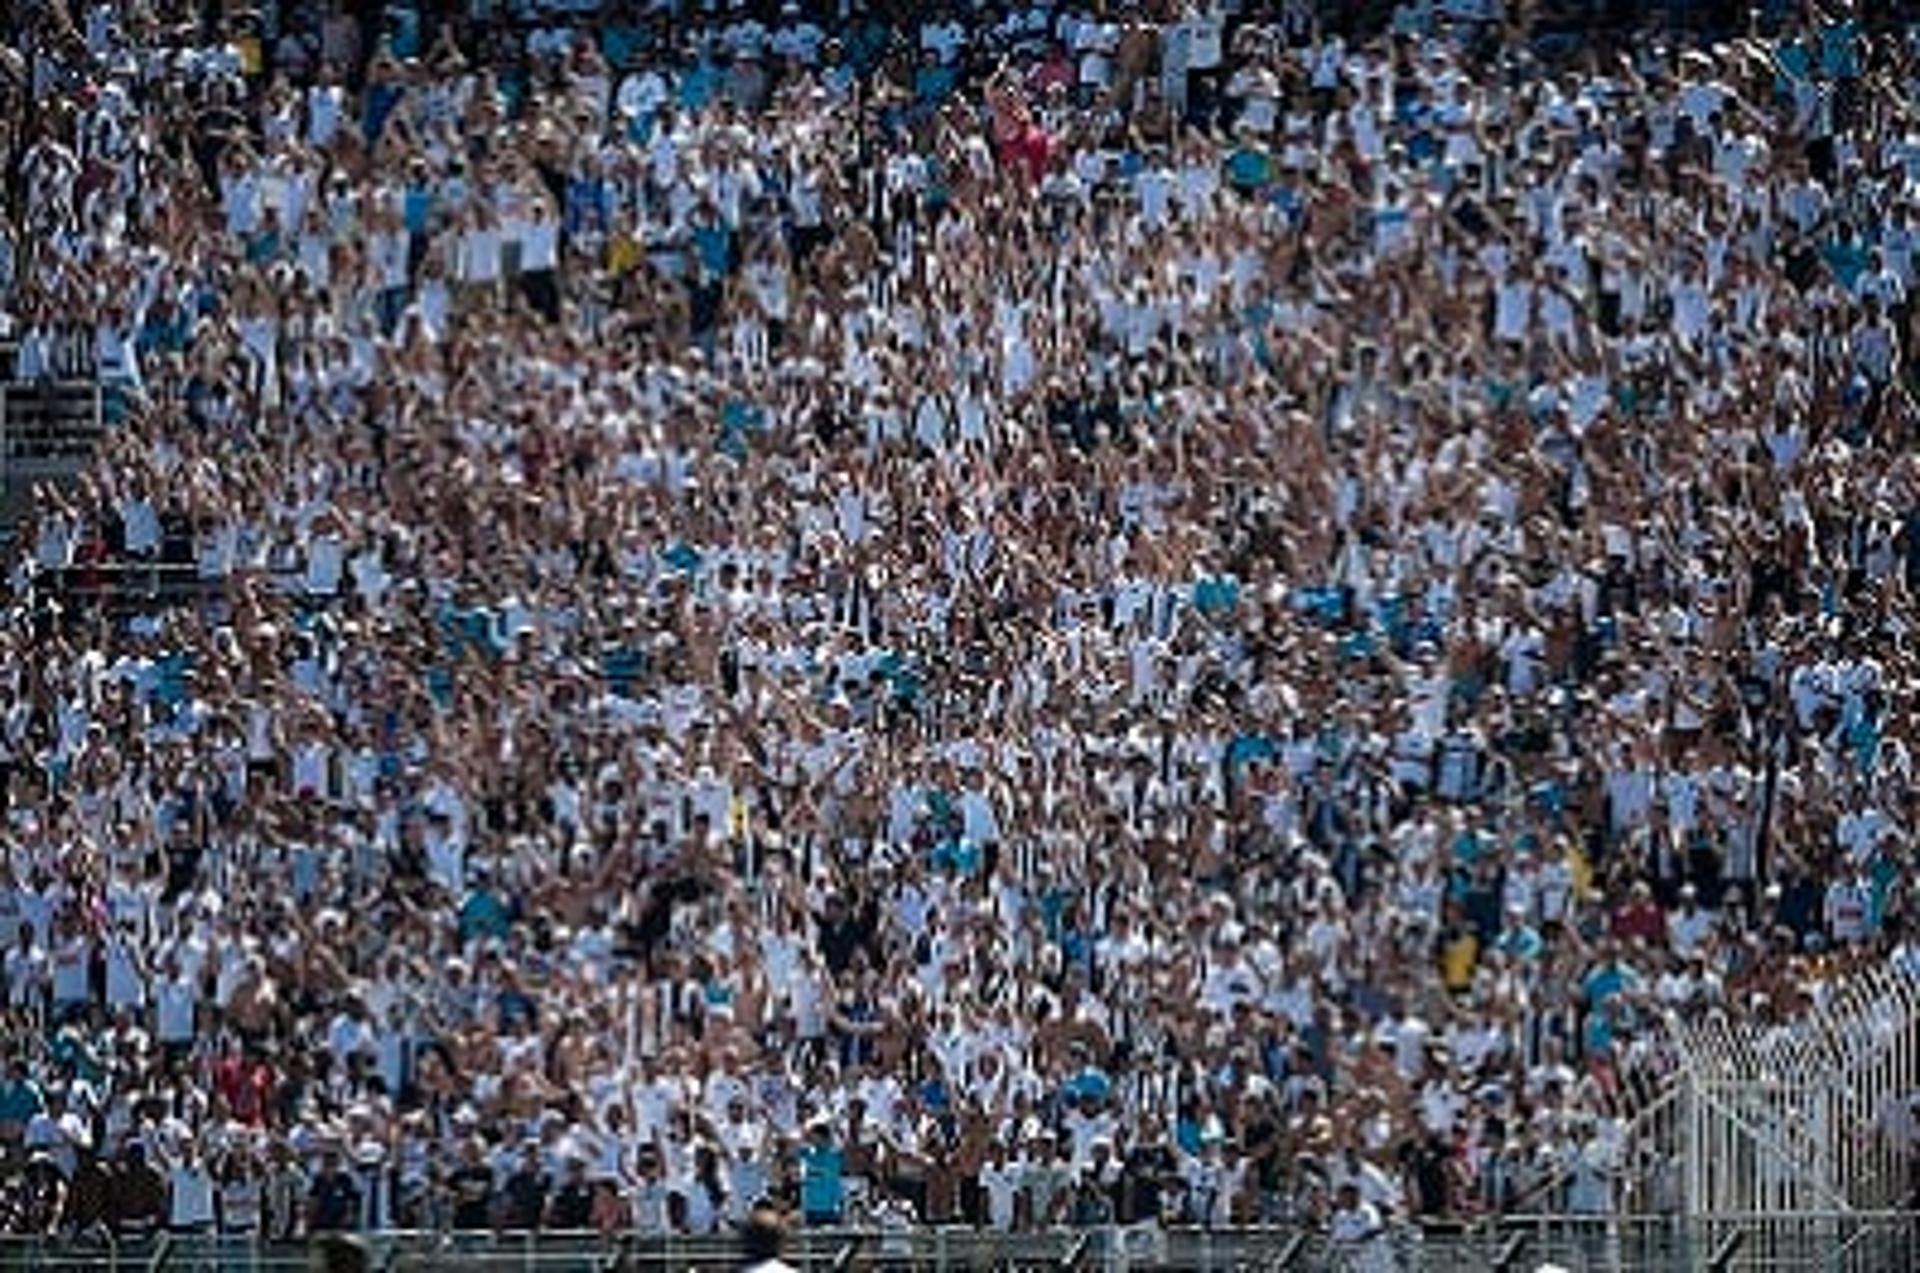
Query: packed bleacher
{"x": 993, "y": 614}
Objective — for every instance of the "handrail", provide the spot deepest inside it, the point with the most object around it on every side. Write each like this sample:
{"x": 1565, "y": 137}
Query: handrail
{"x": 1634, "y": 1245}
{"x": 140, "y": 583}
{"x": 50, "y": 382}
{"x": 1812, "y": 1215}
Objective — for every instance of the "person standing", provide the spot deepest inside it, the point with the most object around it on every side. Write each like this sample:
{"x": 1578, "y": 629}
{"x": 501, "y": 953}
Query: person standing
{"x": 823, "y": 1189}
{"x": 1359, "y": 1235}
{"x": 333, "y": 1200}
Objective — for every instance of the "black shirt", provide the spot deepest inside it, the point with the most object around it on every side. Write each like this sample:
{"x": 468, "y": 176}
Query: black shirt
{"x": 336, "y": 1201}
{"x": 1427, "y": 1161}
{"x": 843, "y": 933}
{"x": 139, "y": 1196}
{"x": 526, "y": 1199}
{"x": 1263, "y": 1146}
{"x": 572, "y": 1207}
{"x": 472, "y": 1188}
{"x": 1147, "y": 1169}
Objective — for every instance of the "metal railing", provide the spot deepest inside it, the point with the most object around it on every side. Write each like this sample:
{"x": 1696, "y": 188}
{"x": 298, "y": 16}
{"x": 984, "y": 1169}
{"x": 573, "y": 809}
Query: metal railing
{"x": 48, "y": 432}
{"x": 1819, "y": 1242}
{"x": 1811, "y": 1115}
{"x": 52, "y": 425}
{"x": 1811, "y": 1242}
{"x": 122, "y": 587}
{"x": 137, "y": 585}
{"x": 863, "y": 1251}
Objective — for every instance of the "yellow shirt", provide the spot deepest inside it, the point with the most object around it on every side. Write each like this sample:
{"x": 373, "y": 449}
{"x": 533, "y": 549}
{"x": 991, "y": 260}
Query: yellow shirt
{"x": 1457, "y": 960}
{"x": 1582, "y": 874}
{"x": 623, "y": 254}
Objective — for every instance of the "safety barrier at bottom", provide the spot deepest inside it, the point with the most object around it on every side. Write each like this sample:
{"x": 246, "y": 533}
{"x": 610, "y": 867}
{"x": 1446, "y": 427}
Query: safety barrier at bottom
{"x": 1832, "y": 1242}
{"x": 1811, "y": 1242}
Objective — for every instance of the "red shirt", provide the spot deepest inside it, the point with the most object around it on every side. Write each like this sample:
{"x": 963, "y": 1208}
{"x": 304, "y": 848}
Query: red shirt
{"x": 247, "y": 1088}
{"x": 1640, "y": 919}
{"x": 1029, "y": 150}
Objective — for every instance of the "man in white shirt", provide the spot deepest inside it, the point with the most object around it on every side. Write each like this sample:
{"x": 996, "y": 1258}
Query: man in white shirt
{"x": 1689, "y": 926}
{"x": 1000, "y": 1178}
{"x": 1357, "y": 1231}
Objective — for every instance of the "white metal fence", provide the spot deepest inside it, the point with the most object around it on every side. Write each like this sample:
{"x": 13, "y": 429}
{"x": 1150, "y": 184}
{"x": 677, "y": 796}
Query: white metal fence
{"x": 1796, "y": 1137}
{"x": 1811, "y": 1115}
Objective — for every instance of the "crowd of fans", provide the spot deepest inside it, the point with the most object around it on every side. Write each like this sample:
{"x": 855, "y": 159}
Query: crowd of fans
{"x": 1006, "y": 614}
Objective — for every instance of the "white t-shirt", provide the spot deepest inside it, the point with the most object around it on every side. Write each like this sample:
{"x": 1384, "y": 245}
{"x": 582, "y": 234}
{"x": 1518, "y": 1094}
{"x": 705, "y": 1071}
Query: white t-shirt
{"x": 480, "y": 255}
{"x": 26, "y": 971}
{"x": 540, "y": 245}
{"x": 1847, "y": 910}
{"x": 126, "y": 988}
{"x": 1513, "y": 312}
{"x": 191, "y": 1191}
{"x": 72, "y": 965}
{"x": 174, "y": 1000}
{"x": 324, "y": 106}
{"x": 326, "y": 562}
{"x": 1002, "y": 1183}
{"x": 1358, "y": 1223}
